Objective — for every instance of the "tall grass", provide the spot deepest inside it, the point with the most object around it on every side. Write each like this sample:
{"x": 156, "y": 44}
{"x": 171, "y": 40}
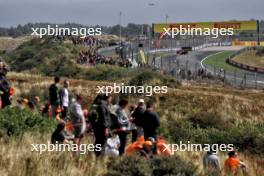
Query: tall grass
{"x": 17, "y": 158}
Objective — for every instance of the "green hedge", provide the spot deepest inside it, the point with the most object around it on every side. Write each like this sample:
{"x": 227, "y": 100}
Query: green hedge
{"x": 15, "y": 122}
{"x": 245, "y": 136}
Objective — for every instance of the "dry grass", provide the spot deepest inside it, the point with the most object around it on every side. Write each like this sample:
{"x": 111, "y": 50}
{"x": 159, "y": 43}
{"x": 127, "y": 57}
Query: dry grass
{"x": 254, "y": 164}
{"x": 18, "y": 159}
{"x": 9, "y": 43}
{"x": 241, "y": 105}
{"x": 250, "y": 58}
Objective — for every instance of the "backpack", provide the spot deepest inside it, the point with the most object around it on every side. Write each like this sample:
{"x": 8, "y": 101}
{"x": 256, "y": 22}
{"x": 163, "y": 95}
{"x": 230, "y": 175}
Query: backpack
{"x": 93, "y": 114}
{"x": 114, "y": 122}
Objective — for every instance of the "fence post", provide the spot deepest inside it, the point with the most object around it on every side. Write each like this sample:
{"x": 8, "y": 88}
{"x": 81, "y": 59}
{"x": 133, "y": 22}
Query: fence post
{"x": 196, "y": 65}
{"x": 161, "y": 64}
{"x": 147, "y": 58}
{"x": 214, "y": 72}
{"x": 245, "y": 80}
{"x": 187, "y": 63}
{"x": 169, "y": 65}
{"x": 177, "y": 68}
{"x": 178, "y": 65}
{"x": 235, "y": 79}
{"x": 132, "y": 55}
{"x": 224, "y": 77}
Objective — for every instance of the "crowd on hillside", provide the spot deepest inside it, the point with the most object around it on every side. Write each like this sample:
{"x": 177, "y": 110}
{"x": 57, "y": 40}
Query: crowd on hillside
{"x": 92, "y": 57}
{"x": 85, "y": 40}
{"x": 110, "y": 123}
{"x": 88, "y": 41}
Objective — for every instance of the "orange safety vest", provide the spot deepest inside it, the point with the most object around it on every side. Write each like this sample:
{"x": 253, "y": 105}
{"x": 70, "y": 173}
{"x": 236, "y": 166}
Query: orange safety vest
{"x": 162, "y": 148}
{"x": 135, "y": 146}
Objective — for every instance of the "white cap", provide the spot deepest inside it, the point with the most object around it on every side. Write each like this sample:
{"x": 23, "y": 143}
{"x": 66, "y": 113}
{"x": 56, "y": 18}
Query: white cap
{"x": 141, "y": 101}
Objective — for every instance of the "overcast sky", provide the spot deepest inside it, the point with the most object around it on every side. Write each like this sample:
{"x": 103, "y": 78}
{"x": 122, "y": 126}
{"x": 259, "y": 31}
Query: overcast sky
{"x": 106, "y": 12}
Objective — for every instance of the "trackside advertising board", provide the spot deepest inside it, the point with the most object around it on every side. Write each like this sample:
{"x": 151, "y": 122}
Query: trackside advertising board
{"x": 236, "y": 25}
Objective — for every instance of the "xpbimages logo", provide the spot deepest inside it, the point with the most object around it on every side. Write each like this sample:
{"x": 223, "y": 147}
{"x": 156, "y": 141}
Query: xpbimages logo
{"x": 56, "y": 30}
{"x": 125, "y": 89}
{"x": 183, "y": 30}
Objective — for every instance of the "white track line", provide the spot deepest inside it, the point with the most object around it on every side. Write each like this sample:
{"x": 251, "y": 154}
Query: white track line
{"x": 208, "y": 57}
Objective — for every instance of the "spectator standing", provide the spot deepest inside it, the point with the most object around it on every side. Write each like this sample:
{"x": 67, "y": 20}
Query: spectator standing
{"x": 150, "y": 122}
{"x": 102, "y": 123}
{"x": 78, "y": 120}
{"x": 211, "y": 162}
{"x": 4, "y": 86}
{"x": 137, "y": 116}
{"x": 54, "y": 96}
{"x": 233, "y": 164}
{"x": 124, "y": 125}
{"x": 64, "y": 99}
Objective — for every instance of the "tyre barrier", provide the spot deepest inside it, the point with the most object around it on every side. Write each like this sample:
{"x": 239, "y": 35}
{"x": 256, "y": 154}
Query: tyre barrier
{"x": 230, "y": 61}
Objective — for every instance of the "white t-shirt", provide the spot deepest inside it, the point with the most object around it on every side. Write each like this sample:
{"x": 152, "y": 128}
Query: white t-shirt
{"x": 65, "y": 97}
{"x": 112, "y": 145}
{"x": 77, "y": 117}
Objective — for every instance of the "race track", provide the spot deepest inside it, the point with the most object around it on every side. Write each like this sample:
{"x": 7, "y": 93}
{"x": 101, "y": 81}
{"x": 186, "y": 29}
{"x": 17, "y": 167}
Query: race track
{"x": 194, "y": 61}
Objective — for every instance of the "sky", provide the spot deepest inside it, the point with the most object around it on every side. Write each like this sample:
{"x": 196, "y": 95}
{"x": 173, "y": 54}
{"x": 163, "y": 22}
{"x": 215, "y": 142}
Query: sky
{"x": 106, "y": 12}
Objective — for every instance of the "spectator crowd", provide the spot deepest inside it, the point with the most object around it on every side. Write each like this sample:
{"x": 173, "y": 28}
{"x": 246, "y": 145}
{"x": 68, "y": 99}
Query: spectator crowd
{"x": 110, "y": 124}
{"x": 91, "y": 56}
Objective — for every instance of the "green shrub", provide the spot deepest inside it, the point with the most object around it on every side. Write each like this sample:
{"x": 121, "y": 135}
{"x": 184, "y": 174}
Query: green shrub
{"x": 173, "y": 165}
{"x": 260, "y": 51}
{"x": 157, "y": 166}
{"x": 209, "y": 119}
{"x": 152, "y": 78}
{"x": 245, "y": 137}
{"x": 108, "y": 72}
{"x": 129, "y": 166}
{"x": 44, "y": 56}
{"x": 15, "y": 122}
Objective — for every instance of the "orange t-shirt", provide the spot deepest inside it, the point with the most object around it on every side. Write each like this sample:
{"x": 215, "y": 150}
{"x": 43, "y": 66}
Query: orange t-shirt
{"x": 232, "y": 163}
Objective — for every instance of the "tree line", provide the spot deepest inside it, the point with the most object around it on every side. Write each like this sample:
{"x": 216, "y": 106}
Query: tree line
{"x": 128, "y": 31}
{"x": 131, "y": 30}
